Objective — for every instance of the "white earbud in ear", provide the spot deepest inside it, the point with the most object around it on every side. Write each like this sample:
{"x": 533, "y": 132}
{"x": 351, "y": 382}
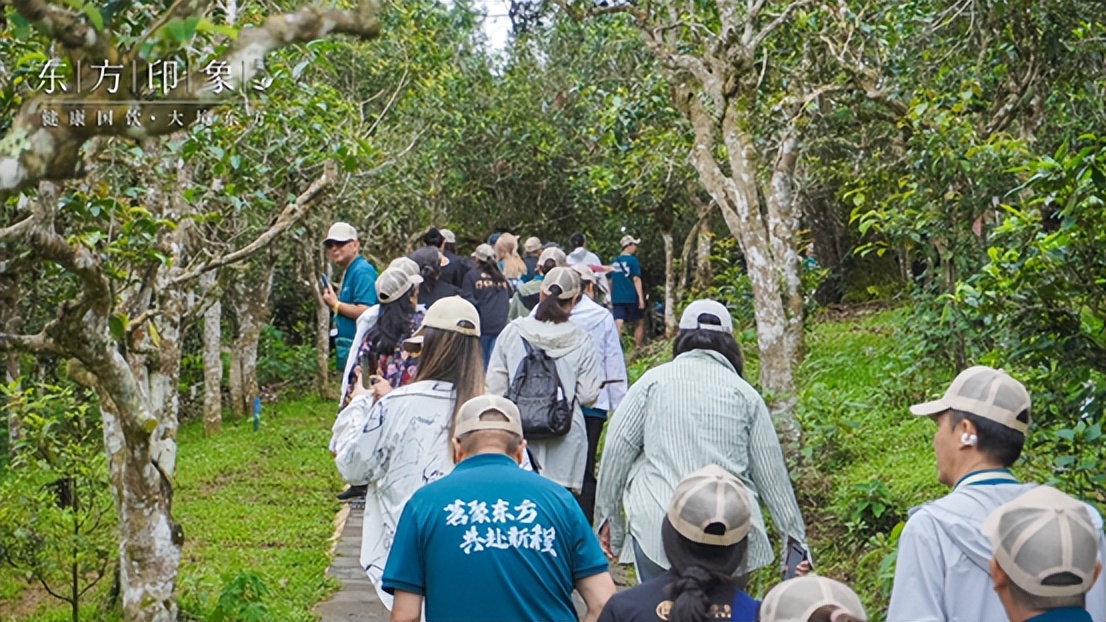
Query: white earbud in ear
{"x": 969, "y": 439}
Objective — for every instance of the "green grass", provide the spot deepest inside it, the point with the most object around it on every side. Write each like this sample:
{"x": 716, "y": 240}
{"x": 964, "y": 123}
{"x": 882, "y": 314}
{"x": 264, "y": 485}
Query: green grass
{"x": 261, "y": 502}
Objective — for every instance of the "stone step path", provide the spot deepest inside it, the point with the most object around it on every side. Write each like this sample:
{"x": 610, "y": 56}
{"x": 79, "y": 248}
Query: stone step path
{"x": 356, "y": 599}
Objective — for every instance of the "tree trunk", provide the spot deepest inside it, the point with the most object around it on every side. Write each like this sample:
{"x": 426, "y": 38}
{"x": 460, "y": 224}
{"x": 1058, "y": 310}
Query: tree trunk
{"x": 313, "y": 264}
{"x": 250, "y": 300}
{"x": 704, "y": 274}
{"x": 213, "y": 361}
{"x": 669, "y": 286}
{"x": 9, "y": 323}
{"x": 767, "y": 241}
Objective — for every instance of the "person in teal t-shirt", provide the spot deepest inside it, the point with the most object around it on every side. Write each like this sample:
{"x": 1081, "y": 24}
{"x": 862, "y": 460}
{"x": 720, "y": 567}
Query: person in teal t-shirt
{"x": 627, "y": 298}
{"x": 358, "y": 291}
{"x": 491, "y": 541}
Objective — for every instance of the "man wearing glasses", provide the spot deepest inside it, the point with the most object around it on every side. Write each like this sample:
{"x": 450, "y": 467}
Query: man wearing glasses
{"x": 358, "y": 290}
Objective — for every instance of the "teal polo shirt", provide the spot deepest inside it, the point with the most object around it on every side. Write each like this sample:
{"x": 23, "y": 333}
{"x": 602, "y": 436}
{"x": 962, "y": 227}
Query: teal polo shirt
{"x": 1064, "y": 614}
{"x": 359, "y": 288}
{"x": 491, "y": 542}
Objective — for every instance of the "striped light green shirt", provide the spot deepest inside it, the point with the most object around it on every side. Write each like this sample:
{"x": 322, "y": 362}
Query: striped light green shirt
{"x": 680, "y": 417}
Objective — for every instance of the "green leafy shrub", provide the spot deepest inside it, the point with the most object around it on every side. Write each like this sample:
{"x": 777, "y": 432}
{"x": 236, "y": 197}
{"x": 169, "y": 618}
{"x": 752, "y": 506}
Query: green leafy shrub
{"x": 56, "y": 513}
{"x": 291, "y": 367}
{"x": 242, "y": 600}
{"x": 872, "y": 510}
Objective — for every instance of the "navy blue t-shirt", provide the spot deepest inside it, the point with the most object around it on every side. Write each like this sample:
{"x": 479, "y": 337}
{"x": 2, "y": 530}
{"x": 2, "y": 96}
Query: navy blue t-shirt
{"x": 626, "y": 267}
{"x": 491, "y": 542}
{"x": 652, "y": 602}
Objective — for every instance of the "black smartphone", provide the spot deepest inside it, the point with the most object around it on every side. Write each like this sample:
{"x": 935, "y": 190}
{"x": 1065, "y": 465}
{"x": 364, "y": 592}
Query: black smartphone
{"x": 796, "y": 555}
{"x": 366, "y": 371}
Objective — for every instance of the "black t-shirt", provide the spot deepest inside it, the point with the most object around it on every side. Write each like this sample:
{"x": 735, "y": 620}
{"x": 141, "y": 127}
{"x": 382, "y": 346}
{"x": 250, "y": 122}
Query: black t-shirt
{"x": 650, "y": 602}
{"x": 454, "y": 272}
{"x": 441, "y": 290}
{"x": 493, "y": 298}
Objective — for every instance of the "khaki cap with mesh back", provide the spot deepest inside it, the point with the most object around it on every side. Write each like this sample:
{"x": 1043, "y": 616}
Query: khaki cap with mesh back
{"x": 796, "y": 599}
{"x": 557, "y": 255}
{"x": 710, "y": 496}
{"x": 566, "y": 279}
{"x": 484, "y": 252}
{"x": 341, "y": 232}
{"x": 586, "y": 273}
{"x": 468, "y": 417}
{"x": 393, "y": 283}
{"x": 405, "y": 264}
{"x": 1045, "y": 542}
{"x": 531, "y": 245}
{"x": 984, "y": 392}
{"x": 628, "y": 240}
{"x": 452, "y": 313}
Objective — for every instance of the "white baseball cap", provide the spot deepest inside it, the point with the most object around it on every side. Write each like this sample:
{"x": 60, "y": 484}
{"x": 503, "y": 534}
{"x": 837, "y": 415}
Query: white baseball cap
{"x": 712, "y": 308}
{"x": 341, "y": 232}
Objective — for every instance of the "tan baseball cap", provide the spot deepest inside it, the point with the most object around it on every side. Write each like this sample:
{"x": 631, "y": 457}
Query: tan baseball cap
{"x": 405, "y": 264}
{"x": 984, "y": 392}
{"x": 469, "y": 416}
{"x": 566, "y": 278}
{"x": 448, "y": 236}
{"x": 452, "y": 313}
{"x": 341, "y": 232}
{"x": 586, "y": 273}
{"x": 710, "y": 506}
{"x": 393, "y": 283}
{"x": 628, "y": 240}
{"x": 796, "y": 599}
{"x": 484, "y": 252}
{"x": 1045, "y": 542}
{"x": 557, "y": 255}
{"x": 531, "y": 244}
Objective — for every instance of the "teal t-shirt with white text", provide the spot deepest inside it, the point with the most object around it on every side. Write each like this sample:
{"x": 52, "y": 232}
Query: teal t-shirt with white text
{"x": 626, "y": 267}
{"x": 491, "y": 542}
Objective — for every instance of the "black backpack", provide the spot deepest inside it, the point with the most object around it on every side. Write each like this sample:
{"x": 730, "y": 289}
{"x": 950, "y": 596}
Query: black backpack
{"x": 541, "y": 401}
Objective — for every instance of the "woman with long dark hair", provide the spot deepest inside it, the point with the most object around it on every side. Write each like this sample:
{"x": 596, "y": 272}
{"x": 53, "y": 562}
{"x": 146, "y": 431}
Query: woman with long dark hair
{"x": 404, "y": 442}
{"x": 560, "y": 458}
{"x": 705, "y": 535}
{"x": 693, "y": 411}
{"x": 487, "y": 285}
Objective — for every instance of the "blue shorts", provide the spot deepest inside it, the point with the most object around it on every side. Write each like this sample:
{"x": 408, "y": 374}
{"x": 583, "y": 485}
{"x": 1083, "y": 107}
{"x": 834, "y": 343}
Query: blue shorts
{"x": 627, "y": 311}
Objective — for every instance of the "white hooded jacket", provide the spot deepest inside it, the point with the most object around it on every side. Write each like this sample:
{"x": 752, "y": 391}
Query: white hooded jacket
{"x": 942, "y": 567}
{"x": 560, "y": 459}
{"x": 599, "y": 323}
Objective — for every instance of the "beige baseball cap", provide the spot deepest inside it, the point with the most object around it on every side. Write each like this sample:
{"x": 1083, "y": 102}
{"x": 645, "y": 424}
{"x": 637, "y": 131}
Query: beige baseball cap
{"x": 448, "y": 236}
{"x": 586, "y": 273}
{"x": 1046, "y": 542}
{"x": 531, "y": 244}
{"x": 452, "y": 313}
{"x": 566, "y": 278}
{"x": 405, "y": 264}
{"x": 557, "y": 255}
{"x": 469, "y": 416}
{"x": 796, "y": 599}
{"x": 484, "y": 252}
{"x": 628, "y": 240}
{"x": 710, "y": 506}
{"x": 341, "y": 232}
{"x": 393, "y": 283}
{"x": 984, "y": 392}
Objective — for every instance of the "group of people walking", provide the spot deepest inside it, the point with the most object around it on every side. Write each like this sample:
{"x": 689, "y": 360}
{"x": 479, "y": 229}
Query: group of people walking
{"x": 476, "y": 458}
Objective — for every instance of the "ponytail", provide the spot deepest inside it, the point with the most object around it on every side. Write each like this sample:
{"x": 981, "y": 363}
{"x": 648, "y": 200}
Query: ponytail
{"x": 553, "y": 309}
{"x": 691, "y": 594}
